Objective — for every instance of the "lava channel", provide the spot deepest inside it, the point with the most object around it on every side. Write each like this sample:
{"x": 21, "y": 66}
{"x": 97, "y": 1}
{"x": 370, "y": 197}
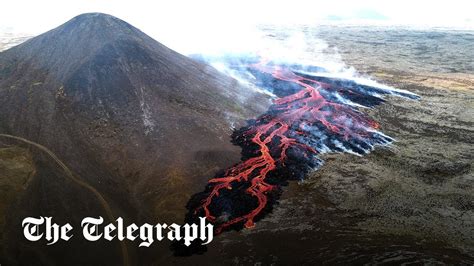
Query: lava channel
{"x": 314, "y": 114}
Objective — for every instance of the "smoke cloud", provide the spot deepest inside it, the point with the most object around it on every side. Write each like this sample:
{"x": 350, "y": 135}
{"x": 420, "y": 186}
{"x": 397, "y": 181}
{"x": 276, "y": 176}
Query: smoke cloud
{"x": 298, "y": 47}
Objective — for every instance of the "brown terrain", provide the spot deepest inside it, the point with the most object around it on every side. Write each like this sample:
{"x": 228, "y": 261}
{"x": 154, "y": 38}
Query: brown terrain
{"x": 107, "y": 121}
{"x": 411, "y": 202}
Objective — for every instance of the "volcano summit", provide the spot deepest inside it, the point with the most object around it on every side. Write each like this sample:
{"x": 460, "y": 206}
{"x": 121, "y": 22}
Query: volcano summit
{"x": 122, "y": 126}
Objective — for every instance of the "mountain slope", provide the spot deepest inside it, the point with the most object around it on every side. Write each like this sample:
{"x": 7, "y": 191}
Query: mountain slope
{"x": 141, "y": 123}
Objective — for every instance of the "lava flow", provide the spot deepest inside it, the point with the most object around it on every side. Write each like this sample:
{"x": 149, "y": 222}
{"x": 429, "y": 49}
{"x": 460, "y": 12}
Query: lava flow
{"x": 315, "y": 114}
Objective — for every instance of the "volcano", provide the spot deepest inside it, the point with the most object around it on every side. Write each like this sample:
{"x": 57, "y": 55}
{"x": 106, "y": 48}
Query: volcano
{"x": 113, "y": 123}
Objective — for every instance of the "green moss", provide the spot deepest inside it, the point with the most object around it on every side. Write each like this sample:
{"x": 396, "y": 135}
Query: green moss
{"x": 16, "y": 169}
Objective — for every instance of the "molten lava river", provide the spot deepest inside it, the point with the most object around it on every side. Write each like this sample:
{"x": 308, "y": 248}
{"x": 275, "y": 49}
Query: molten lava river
{"x": 313, "y": 113}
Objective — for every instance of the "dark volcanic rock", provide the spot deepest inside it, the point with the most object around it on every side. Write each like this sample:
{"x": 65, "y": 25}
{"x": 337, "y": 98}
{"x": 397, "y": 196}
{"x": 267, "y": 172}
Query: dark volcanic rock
{"x": 134, "y": 119}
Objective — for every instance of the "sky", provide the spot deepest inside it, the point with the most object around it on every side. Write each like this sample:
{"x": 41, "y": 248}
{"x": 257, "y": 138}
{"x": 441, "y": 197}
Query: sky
{"x": 169, "y": 21}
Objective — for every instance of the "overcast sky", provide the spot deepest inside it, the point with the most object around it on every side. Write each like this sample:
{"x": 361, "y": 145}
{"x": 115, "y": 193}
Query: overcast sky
{"x": 168, "y": 21}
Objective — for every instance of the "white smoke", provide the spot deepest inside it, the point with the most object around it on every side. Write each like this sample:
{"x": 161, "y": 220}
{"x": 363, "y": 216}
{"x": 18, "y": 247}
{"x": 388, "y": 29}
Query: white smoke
{"x": 291, "y": 45}
{"x": 280, "y": 44}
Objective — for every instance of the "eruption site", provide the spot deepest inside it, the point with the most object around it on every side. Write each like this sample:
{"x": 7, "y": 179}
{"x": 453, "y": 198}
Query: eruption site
{"x": 312, "y": 114}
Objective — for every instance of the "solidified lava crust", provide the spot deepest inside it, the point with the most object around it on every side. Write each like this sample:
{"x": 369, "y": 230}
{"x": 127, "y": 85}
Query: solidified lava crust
{"x": 314, "y": 114}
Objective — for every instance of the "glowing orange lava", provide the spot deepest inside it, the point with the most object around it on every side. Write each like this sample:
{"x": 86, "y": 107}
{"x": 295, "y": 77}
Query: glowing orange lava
{"x": 273, "y": 135}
